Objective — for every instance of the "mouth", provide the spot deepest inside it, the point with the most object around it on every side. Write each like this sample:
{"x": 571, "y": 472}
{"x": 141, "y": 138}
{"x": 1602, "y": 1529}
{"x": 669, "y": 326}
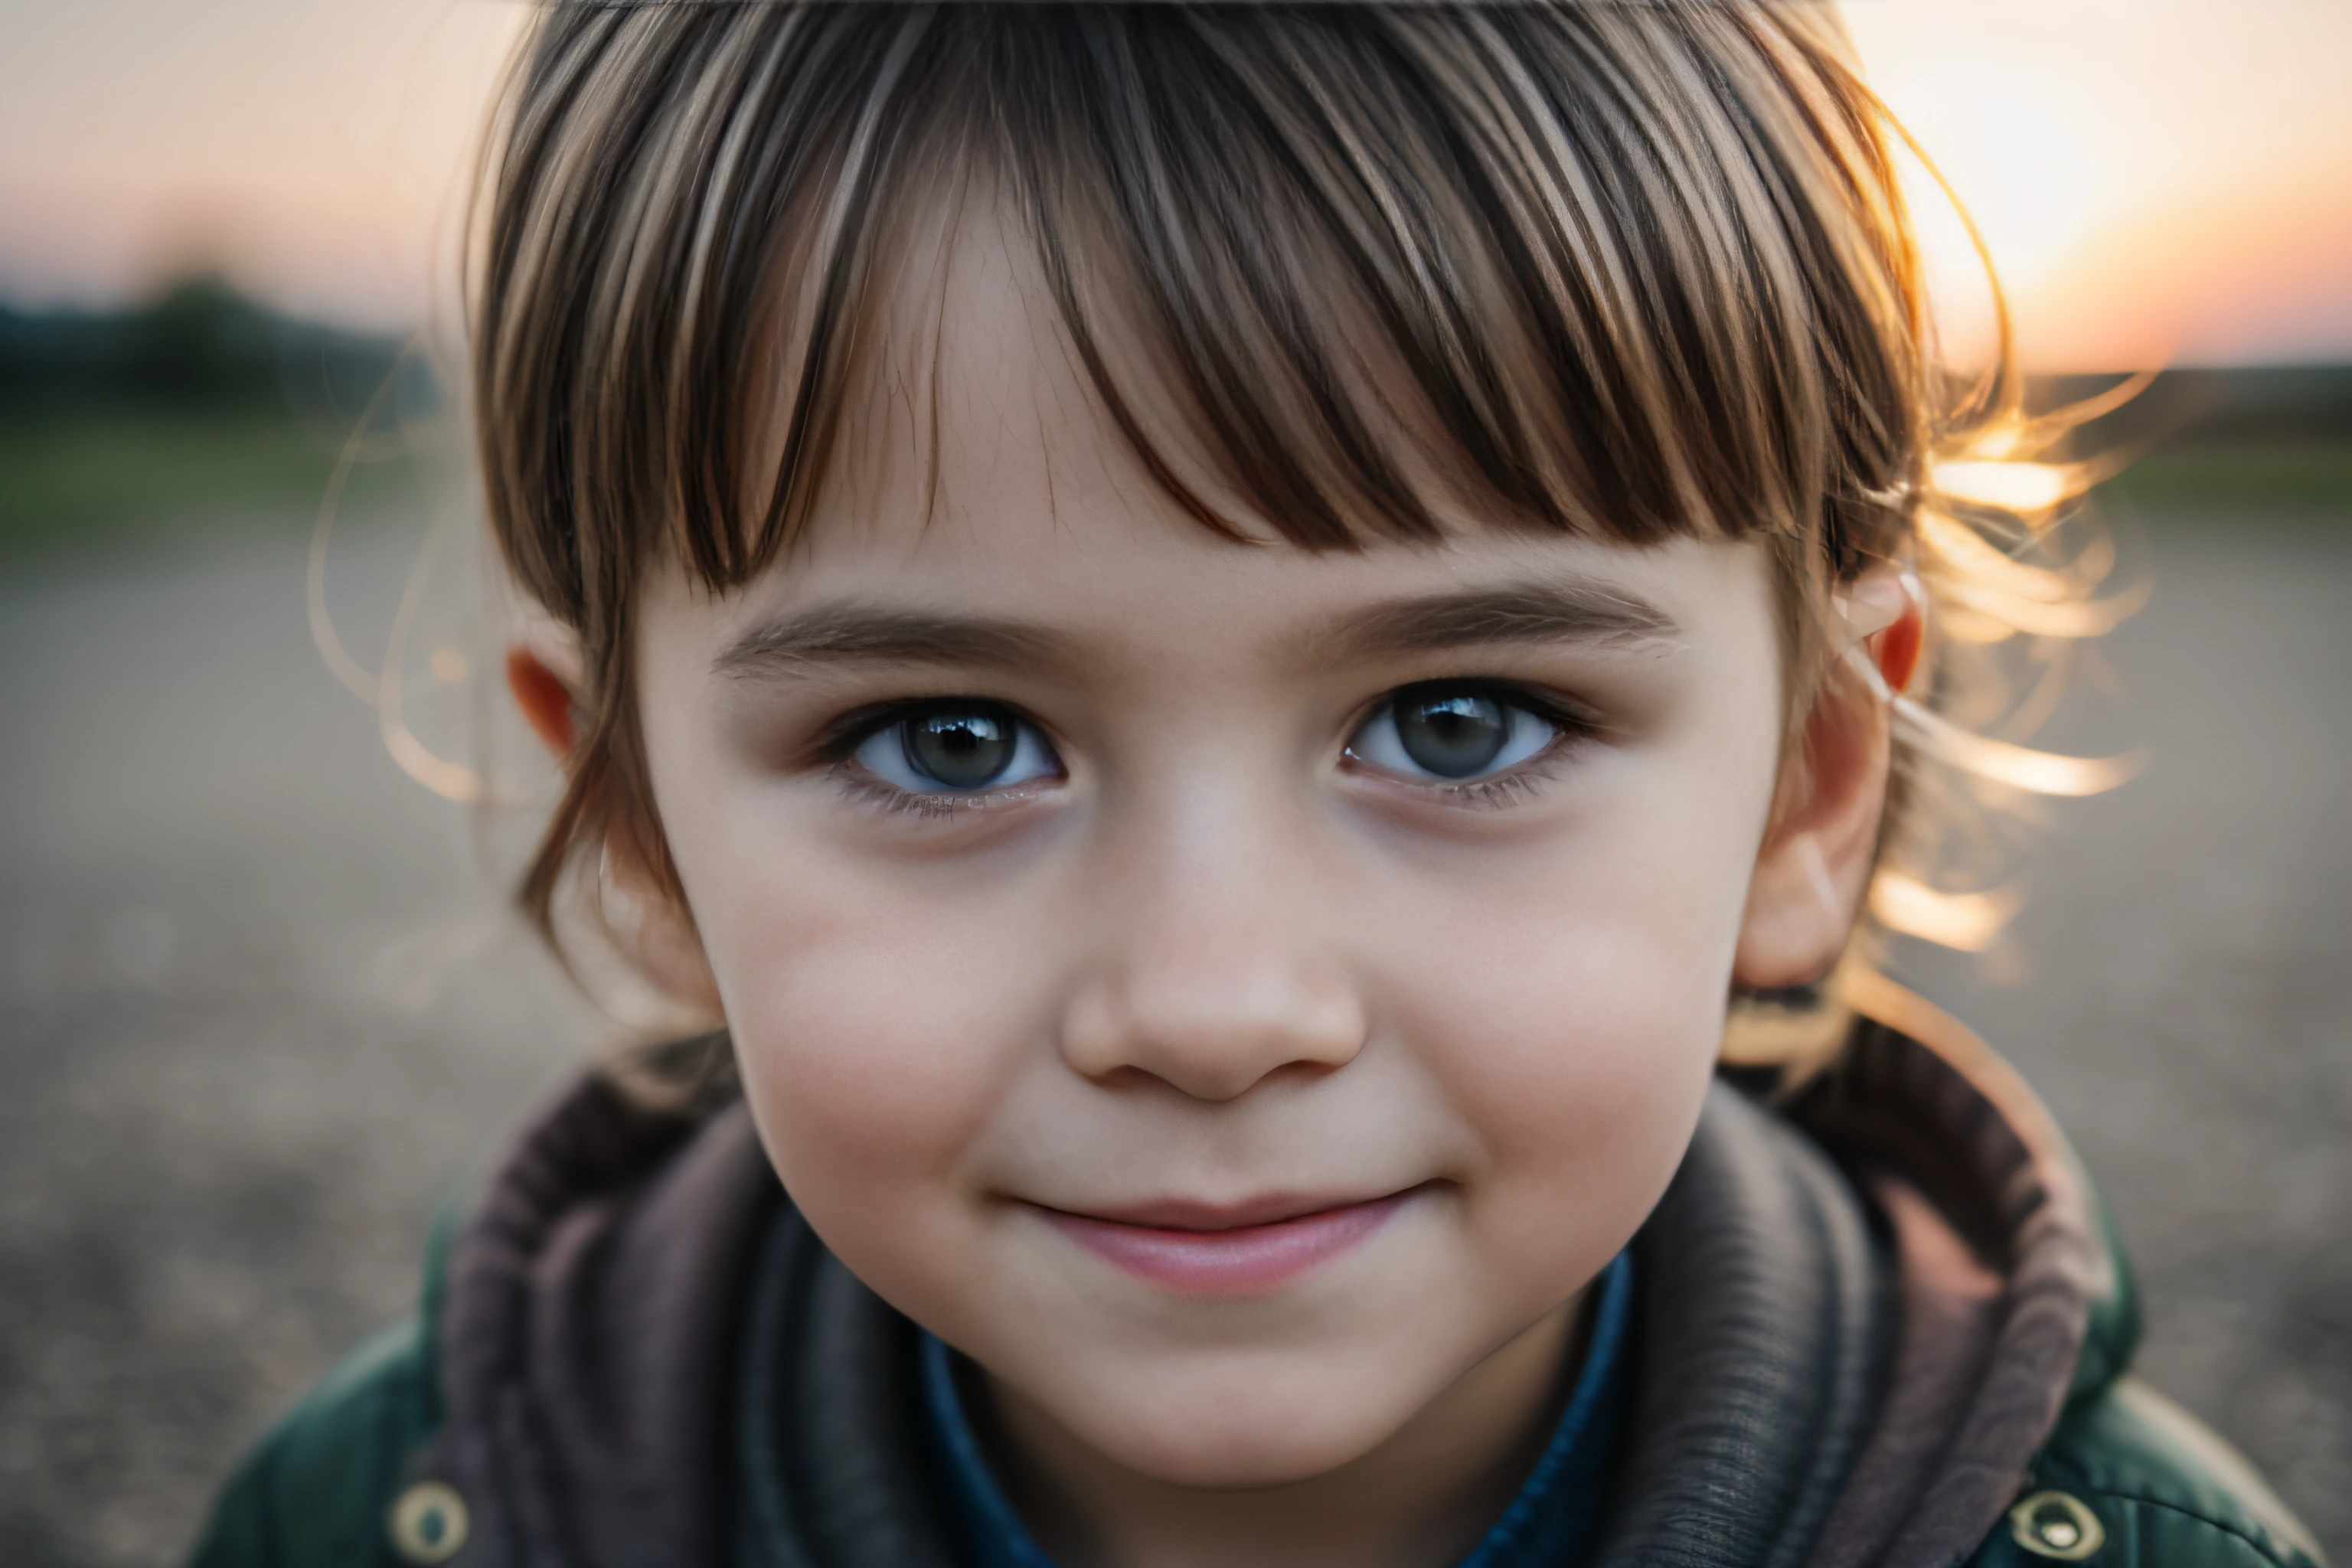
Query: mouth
{"x": 1241, "y": 1251}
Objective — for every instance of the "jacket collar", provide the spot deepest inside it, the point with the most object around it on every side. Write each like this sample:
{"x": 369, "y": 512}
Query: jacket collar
{"x": 1858, "y": 1321}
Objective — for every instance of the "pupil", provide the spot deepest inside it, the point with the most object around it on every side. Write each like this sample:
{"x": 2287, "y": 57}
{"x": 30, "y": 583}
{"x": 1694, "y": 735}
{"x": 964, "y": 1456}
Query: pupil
{"x": 961, "y": 751}
{"x": 1454, "y": 735}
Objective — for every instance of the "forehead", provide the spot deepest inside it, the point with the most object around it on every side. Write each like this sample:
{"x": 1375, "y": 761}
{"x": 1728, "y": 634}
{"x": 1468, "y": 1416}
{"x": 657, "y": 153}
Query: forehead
{"x": 977, "y": 471}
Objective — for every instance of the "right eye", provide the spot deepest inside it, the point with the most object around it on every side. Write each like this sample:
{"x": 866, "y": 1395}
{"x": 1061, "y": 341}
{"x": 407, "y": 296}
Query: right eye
{"x": 1449, "y": 732}
{"x": 957, "y": 748}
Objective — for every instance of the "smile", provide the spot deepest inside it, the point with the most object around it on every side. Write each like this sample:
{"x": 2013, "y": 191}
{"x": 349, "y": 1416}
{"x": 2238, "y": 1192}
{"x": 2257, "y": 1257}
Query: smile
{"x": 1193, "y": 1250}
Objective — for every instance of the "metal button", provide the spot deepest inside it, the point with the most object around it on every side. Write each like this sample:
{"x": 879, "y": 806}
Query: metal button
{"x": 2057, "y": 1524}
{"x": 429, "y": 1523}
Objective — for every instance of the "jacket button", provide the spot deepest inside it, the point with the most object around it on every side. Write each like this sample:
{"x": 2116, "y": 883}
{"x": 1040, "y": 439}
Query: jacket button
{"x": 2057, "y": 1524}
{"x": 429, "y": 1523}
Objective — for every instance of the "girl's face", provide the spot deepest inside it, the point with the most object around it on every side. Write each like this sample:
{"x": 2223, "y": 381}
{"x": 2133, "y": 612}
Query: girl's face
{"x": 1230, "y": 993}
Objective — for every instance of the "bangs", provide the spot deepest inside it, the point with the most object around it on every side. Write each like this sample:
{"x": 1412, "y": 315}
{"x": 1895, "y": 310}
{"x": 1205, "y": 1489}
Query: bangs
{"x": 1628, "y": 270}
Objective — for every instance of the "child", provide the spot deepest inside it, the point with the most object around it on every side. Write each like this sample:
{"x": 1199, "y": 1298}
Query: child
{"x": 1214, "y": 636}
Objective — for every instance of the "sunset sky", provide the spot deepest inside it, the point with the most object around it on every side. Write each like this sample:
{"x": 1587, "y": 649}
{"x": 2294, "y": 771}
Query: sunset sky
{"x": 2160, "y": 180}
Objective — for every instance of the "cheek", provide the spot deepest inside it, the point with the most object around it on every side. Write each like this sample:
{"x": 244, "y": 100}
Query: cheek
{"x": 878, "y": 1031}
{"x": 1568, "y": 1001}
{"x": 1579, "y": 1059}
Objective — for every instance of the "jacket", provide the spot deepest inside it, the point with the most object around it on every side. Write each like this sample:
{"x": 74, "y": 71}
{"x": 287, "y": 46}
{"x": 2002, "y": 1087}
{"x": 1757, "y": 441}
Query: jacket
{"x": 1880, "y": 1323}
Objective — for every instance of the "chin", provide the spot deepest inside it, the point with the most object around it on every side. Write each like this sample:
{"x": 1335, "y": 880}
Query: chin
{"x": 1234, "y": 1434}
{"x": 1224, "y": 1460}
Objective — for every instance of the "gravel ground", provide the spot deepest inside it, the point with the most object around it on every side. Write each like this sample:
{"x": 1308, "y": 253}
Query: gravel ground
{"x": 260, "y": 1012}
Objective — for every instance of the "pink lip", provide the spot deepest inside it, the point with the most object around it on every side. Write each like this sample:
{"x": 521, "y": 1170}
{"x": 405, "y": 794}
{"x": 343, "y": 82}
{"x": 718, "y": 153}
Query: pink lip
{"x": 1195, "y": 1250}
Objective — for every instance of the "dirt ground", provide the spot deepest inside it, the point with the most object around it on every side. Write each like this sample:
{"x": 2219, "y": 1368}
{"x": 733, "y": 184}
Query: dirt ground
{"x": 260, "y": 1012}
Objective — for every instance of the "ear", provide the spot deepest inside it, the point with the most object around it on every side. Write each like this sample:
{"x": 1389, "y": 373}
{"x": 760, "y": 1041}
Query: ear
{"x": 548, "y": 699}
{"x": 639, "y": 896}
{"x": 1818, "y": 853}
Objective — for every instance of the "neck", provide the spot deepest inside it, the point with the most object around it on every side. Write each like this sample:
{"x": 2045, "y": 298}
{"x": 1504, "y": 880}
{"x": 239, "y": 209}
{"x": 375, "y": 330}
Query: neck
{"x": 1422, "y": 1499}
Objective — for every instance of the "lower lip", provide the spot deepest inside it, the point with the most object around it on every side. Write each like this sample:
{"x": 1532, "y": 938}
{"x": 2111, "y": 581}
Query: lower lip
{"x": 1246, "y": 1261}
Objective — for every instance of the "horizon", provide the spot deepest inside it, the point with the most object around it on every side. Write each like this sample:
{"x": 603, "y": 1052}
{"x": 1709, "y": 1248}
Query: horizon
{"x": 2165, "y": 181}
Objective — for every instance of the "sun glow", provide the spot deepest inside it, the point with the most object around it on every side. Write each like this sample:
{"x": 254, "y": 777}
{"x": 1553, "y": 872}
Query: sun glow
{"x": 2024, "y": 152}
{"x": 2152, "y": 177}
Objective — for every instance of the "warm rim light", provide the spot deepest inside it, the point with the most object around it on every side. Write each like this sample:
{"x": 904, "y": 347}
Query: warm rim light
{"x": 2013, "y": 486}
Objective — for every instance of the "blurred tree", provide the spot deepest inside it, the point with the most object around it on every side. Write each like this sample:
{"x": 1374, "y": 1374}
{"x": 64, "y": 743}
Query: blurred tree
{"x": 198, "y": 344}
{"x": 196, "y": 403}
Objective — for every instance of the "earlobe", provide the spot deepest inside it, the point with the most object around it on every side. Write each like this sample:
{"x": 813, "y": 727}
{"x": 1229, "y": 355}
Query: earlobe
{"x": 648, "y": 921}
{"x": 1802, "y": 908}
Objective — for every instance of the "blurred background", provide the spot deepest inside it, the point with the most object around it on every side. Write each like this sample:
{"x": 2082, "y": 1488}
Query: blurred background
{"x": 261, "y": 1006}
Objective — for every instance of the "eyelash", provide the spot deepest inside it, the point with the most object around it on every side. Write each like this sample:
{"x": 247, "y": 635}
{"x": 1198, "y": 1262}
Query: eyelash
{"x": 1522, "y": 783}
{"x": 874, "y": 792}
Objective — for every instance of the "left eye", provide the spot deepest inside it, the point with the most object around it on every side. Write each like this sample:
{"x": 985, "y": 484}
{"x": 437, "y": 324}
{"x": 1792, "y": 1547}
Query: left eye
{"x": 1450, "y": 732}
{"x": 958, "y": 749}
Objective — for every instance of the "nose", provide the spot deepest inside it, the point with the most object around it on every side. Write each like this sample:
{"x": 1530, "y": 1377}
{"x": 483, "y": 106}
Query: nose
{"x": 1213, "y": 982}
{"x": 1212, "y": 1031}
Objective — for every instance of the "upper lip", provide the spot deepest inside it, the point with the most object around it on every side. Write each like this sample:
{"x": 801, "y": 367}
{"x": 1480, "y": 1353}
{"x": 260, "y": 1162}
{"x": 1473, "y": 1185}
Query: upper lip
{"x": 1194, "y": 1214}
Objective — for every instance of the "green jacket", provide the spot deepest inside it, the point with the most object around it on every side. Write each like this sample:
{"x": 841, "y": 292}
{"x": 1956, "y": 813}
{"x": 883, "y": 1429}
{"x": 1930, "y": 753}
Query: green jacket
{"x": 372, "y": 1469}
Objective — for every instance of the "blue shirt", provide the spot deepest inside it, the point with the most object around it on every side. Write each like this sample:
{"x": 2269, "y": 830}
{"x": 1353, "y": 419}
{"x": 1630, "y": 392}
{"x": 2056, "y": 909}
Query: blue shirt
{"x": 1549, "y": 1524}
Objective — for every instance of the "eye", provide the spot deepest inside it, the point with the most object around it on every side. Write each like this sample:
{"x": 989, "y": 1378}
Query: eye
{"x": 957, "y": 749}
{"x": 1450, "y": 732}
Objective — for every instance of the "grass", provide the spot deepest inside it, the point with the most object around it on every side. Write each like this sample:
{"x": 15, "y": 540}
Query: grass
{"x": 73, "y": 483}
{"x": 2307, "y": 478}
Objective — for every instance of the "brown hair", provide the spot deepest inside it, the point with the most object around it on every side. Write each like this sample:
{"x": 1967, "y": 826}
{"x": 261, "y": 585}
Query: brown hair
{"x": 1635, "y": 269}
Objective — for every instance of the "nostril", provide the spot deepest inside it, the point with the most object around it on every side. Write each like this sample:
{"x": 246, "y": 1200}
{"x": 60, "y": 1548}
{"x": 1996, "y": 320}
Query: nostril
{"x": 1212, "y": 1041}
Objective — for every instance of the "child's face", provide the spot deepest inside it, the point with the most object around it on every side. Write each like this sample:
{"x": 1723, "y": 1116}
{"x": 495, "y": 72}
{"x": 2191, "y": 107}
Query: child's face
{"x": 1177, "y": 901}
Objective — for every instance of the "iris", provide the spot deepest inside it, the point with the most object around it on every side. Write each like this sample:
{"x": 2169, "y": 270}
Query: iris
{"x": 1455, "y": 734}
{"x": 961, "y": 750}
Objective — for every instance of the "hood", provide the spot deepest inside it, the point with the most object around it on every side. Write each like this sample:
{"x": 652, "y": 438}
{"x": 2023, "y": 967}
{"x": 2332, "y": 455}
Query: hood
{"x": 1861, "y": 1312}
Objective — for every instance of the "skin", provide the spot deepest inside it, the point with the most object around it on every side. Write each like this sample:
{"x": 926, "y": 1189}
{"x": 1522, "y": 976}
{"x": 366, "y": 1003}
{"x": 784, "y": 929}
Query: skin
{"x": 1217, "y": 955}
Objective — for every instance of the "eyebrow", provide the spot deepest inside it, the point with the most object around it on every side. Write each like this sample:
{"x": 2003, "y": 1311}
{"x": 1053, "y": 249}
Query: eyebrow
{"x": 844, "y": 634}
{"x": 1570, "y": 612}
{"x": 850, "y": 633}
